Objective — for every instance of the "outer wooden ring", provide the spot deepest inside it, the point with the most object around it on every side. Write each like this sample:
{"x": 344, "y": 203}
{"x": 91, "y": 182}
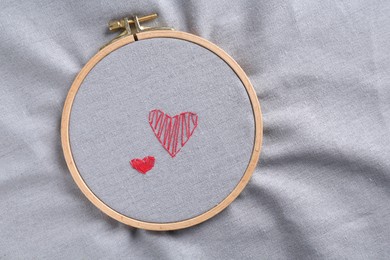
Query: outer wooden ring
{"x": 151, "y": 225}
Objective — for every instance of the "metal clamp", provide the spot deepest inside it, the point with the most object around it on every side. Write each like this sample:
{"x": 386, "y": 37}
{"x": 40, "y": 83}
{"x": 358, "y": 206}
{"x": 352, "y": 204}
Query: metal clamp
{"x": 132, "y": 26}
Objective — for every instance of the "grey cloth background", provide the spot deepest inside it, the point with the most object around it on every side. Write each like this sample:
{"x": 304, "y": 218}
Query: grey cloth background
{"x": 321, "y": 189}
{"x": 109, "y": 126}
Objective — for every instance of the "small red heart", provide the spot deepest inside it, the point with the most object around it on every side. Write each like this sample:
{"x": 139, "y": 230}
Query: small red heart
{"x": 143, "y": 165}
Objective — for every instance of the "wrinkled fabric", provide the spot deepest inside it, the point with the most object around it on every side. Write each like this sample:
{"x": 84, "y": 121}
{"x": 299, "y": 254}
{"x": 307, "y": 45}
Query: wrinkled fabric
{"x": 321, "y": 189}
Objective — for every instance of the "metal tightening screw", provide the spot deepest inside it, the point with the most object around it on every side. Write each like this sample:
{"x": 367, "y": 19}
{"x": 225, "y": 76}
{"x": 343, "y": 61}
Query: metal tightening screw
{"x": 120, "y": 24}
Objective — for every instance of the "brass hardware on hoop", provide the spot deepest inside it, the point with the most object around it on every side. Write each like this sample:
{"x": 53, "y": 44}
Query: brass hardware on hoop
{"x": 132, "y": 26}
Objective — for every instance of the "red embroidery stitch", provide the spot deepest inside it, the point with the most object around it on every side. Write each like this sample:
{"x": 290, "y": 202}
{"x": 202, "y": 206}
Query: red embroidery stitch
{"x": 143, "y": 165}
{"x": 173, "y": 132}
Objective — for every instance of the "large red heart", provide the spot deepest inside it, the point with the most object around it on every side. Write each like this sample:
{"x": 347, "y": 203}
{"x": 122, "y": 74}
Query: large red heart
{"x": 143, "y": 165}
{"x": 173, "y": 132}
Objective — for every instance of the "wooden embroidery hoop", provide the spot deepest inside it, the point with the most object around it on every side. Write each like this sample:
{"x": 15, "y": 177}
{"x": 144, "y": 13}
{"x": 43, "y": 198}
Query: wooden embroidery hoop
{"x": 143, "y": 33}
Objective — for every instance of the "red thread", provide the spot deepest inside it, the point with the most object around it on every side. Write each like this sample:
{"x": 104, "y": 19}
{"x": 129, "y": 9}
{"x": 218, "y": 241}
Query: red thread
{"x": 143, "y": 165}
{"x": 173, "y": 132}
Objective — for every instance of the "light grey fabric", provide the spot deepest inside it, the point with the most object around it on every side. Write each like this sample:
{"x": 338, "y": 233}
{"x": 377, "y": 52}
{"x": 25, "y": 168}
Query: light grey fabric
{"x": 322, "y": 187}
{"x": 109, "y": 126}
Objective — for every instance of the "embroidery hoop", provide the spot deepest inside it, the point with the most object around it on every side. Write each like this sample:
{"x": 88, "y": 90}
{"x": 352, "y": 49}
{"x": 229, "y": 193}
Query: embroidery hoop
{"x": 144, "y": 33}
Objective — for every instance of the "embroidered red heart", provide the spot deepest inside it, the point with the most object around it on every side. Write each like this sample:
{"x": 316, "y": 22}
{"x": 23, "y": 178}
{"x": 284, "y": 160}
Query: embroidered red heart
{"x": 173, "y": 132}
{"x": 143, "y": 165}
